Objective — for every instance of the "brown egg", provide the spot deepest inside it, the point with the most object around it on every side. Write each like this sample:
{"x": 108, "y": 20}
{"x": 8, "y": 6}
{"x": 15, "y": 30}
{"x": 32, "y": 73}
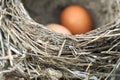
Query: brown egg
{"x": 59, "y": 29}
{"x": 76, "y": 19}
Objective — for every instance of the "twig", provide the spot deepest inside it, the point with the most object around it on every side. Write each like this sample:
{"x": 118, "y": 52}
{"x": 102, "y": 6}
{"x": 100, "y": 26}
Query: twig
{"x": 60, "y": 51}
{"x": 113, "y": 46}
{"x": 114, "y": 69}
{"x": 9, "y": 52}
{"x": 7, "y": 57}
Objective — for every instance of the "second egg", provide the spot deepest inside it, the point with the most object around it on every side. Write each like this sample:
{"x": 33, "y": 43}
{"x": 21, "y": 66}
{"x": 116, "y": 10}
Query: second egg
{"x": 76, "y": 19}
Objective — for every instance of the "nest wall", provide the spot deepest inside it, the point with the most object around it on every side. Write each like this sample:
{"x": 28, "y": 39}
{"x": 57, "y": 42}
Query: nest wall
{"x": 30, "y": 51}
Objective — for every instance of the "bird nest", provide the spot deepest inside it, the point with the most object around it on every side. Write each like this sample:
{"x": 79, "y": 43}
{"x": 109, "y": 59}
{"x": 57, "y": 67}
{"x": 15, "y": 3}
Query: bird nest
{"x": 29, "y": 51}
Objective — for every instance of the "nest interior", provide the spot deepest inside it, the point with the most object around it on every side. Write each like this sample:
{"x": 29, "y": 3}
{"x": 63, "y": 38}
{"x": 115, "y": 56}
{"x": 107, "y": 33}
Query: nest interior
{"x": 29, "y": 51}
{"x": 46, "y": 11}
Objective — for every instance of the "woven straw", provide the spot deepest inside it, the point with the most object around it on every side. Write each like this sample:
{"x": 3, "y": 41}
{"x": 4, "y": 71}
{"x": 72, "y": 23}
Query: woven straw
{"x": 29, "y": 51}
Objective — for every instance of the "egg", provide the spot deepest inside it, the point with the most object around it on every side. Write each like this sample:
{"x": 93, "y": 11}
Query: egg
{"x": 76, "y": 19}
{"x": 59, "y": 29}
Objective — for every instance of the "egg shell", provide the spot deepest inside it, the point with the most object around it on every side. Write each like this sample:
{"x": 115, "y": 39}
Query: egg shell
{"x": 76, "y": 19}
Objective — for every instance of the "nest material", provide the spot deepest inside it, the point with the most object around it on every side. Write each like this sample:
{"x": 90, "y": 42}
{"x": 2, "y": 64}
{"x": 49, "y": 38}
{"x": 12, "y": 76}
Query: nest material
{"x": 29, "y": 50}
